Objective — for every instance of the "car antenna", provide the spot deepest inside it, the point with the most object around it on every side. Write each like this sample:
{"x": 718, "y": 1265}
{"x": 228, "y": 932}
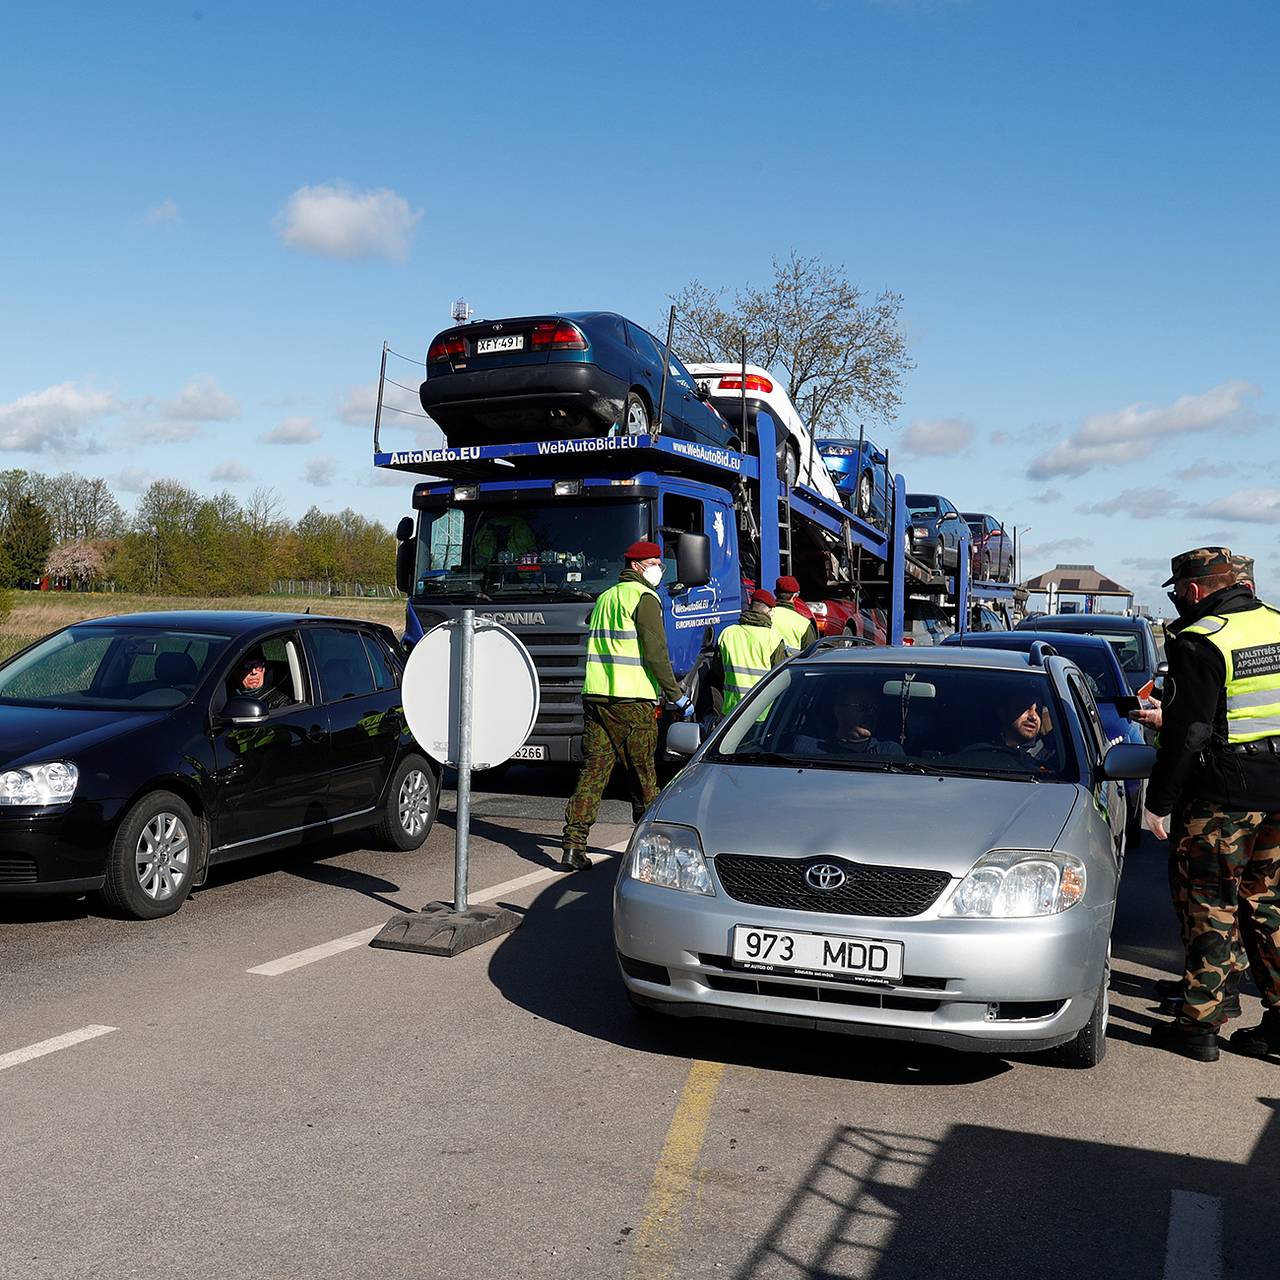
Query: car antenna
{"x": 306, "y": 610}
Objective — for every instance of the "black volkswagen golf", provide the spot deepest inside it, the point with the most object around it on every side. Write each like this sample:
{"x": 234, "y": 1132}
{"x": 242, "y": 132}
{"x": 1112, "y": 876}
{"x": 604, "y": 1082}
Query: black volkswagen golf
{"x": 137, "y": 751}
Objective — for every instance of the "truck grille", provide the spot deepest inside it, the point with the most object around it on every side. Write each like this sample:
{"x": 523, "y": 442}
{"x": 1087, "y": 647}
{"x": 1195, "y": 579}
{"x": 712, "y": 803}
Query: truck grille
{"x": 867, "y": 890}
{"x": 561, "y": 661}
{"x": 17, "y": 871}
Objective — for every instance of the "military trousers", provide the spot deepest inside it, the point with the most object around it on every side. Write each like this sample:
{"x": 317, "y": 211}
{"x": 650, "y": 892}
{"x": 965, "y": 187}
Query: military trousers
{"x": 614, "y": 733}
{"x": 1232, "y": 860}
{"x": 1178, "y": 888}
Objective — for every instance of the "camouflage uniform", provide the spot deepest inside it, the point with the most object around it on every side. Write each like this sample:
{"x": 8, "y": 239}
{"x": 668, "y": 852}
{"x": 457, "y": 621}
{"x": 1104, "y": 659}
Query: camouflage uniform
{"x": 614, "y": 733}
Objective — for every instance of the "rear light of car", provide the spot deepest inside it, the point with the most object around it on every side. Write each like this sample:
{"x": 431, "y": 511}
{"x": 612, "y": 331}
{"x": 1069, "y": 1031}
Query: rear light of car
{"x": 908, "y": 639}
{"x": 447, "y": 347}
{"x": 557, "y": 335}
{"x": 754, "y": 383}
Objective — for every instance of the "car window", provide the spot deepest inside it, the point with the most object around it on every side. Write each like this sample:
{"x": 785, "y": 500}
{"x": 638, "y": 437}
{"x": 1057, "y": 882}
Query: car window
{"x": 383, "y": 676}
{"x": 645, "y": 343}
{"x": 342, "y": 663}
{"x": 270, "y": 671}
{"x": 1095, "y": 735}
{"x": 921, "y": 506}
{"x": 961, "y": 720}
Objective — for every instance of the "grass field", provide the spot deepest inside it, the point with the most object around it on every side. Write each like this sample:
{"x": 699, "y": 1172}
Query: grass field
{"x": 36, "y": 613}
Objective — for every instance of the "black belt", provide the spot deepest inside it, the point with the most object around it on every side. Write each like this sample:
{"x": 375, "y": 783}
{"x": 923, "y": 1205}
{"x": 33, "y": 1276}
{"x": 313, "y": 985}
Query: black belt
{"x": 1263, "y": 747}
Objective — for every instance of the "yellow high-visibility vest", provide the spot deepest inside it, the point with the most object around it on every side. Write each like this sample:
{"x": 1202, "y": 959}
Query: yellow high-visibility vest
{"x": 747, "y": 654}
{"x": 791, "y": 627}
{"x": 615, "y": 667}
{"x": 1250, "y": 646}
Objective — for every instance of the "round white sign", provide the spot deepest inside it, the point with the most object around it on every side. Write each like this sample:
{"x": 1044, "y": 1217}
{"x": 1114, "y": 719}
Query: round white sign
{"x": 504, "y": 692}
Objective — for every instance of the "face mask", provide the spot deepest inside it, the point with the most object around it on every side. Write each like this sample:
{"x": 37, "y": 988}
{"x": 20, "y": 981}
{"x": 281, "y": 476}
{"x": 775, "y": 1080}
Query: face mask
{"x": 1183, "y": 606}
{"x": 652, "y": 574}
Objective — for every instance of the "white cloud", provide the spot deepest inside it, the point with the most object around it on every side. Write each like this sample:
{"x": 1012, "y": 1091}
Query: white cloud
{"x": 167, "y": 432}
{"x": 356, "y": 405}
{"x": 1130, "y": 434}
{"x": 320, "y": 471}
{"x": 52, "y": 418}
{"x": 1245, "y": 506}
{"x": 1046, "y": 495}
{"x": 336, "y": 221}
{"x": 1199, "y": 471}
{"x": 231, "y": 473}
{"x": 293, "y": 431}
{"x": 1058, "y": 544}
{"x": 1141, "y": 504}
{"x": 202, "y": 400}
{"x": 165, "y": 211}
{"x": 938, "y": 437}
{"x": 132, "y": 479}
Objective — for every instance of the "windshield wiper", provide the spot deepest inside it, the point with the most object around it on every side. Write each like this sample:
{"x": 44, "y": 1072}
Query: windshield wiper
{"x": 1011, "y": 775}
{"x": 762, "y": 757}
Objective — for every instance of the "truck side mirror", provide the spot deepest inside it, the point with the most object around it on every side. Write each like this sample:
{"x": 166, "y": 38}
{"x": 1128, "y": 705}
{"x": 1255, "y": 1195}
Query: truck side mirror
{"x": 406, "y": 553}
{"x": 693, "y": 559}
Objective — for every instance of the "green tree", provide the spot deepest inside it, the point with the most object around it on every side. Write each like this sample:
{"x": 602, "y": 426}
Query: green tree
{"x": 842, "y": 351}
{"x": 161, "y": 548}
{"x": 28, "y": 540}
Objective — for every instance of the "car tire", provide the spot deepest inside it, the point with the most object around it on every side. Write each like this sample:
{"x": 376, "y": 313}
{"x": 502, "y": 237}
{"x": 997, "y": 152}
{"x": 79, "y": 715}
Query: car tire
{"x": 155, "y": 851}
{"x": 409, "y": 810}
{"x": 986, "y": 568}
{"x": 862, "y": 503}
{"x": 939, "y": 559}
{"x": 1089, "y": 1046}
{"x": 635, "y": 417}
{"x": 788, "y": 465}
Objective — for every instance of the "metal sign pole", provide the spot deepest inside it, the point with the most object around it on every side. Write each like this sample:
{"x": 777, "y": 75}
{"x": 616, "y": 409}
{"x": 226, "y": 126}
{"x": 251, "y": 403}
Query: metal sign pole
{"x": 462, "y": 833}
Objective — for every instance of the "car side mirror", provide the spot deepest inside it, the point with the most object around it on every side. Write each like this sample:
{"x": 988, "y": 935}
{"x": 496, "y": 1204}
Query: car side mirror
{"x": 243, "y": 711}
{"x": 879, "y": 457}
{"x": 1128, "y": 760}
{"x": 406, "y": 555}
{"x": 693, "y": 559}
{"x": 684, "y": 738}
{"x": 1162, "y": 669}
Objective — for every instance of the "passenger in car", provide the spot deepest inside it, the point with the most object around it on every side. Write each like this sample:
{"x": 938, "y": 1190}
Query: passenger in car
{"x": 854, "y": 716}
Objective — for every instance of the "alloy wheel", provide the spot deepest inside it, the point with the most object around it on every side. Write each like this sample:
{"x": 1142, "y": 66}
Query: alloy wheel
{"x": 864, "y": 496}
{"x": 162, "y": 858}
{"x": 414, "y": 805}
{"x": 637, "y": 418}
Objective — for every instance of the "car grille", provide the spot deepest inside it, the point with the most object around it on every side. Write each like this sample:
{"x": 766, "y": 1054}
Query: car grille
{"x": 867, "y": 890}
{"x": 17, "y": 871}
{"x": 916, "y": 980}
{"x": 823, "y": 995}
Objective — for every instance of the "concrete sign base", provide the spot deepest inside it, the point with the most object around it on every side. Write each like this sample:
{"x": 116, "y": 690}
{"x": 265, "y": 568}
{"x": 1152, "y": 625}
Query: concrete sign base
{"x": 439, "y": 930}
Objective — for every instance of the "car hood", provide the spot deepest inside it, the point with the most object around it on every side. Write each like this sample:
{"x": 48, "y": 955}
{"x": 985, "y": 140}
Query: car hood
{"x": 938, "y": 823}
{"x": 31, "y": 734}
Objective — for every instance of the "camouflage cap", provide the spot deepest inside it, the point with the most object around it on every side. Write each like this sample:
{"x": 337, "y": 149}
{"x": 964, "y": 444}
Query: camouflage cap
{"x": 1203, "y": 562}
{"x": 1242, "y": 567}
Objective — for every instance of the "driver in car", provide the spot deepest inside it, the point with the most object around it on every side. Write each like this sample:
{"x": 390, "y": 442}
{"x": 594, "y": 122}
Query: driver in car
{"x": 249, "y": 680}
{"x": 1025, "y": 726}
{"x": 855, "y": 715}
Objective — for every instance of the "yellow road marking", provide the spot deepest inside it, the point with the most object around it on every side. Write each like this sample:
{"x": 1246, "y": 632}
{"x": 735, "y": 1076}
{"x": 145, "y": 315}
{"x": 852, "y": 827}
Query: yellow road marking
{"x": 659, "y": 1231}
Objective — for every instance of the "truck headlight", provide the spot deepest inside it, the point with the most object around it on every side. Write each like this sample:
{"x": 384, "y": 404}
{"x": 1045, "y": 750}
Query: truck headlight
{"x": 1018, "y": 883}
{"x": 670, "y": 856}
{"x": 52, "y": 783}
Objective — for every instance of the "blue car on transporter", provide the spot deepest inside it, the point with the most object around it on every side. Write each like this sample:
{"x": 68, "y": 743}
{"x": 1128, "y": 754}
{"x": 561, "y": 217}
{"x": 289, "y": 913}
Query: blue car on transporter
{"x": 1105, "y": 677}
{"x": 573, "y": 374}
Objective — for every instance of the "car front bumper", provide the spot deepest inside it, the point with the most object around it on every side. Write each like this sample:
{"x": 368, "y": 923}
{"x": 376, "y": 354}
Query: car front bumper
{"x": 55, "y": 850}
{"x": 997, "y": 986}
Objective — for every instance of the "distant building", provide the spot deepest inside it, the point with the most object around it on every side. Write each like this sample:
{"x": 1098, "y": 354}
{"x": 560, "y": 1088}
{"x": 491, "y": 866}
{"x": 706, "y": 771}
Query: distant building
{"x": 1077, "y": 588}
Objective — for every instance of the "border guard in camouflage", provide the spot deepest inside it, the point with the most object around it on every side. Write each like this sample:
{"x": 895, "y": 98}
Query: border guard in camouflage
{"x": 1218, "y": 765}
{"x": 628, "y": 673}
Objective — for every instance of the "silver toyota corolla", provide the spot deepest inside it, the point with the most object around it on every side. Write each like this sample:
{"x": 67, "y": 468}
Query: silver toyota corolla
{"x": 918, "y": 844}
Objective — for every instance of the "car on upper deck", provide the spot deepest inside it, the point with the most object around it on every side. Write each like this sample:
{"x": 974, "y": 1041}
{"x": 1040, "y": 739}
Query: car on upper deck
{"x": 573, "y": 374}
{"x": 799, "y": 459}
{"x": 1131, "y": 638}
{"x": 138, "y": 750}
{"x": 914, "y": 844}
{"x": 860, "y": 473}
{"x": 990, "y": 547}
{"x": 934, "y": 530}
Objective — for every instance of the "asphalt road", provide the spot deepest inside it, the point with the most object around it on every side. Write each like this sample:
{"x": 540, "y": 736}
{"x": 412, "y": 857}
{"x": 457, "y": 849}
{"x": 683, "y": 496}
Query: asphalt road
{"x": 505, "y": 1112}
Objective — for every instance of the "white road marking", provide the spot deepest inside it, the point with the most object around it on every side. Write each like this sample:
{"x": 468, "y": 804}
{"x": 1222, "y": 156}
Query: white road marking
{"x": 1193, "y": 1247}
{"x": 17, "y": 1057}
{"x": 286, "y": 964}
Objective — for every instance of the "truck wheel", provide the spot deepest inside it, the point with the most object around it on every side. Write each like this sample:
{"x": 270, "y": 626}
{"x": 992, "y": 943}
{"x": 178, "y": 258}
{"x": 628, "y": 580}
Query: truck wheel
{"x": 151, "y": 858}
{"x": 409, "y": 810}
{"x": 636, "y": 418}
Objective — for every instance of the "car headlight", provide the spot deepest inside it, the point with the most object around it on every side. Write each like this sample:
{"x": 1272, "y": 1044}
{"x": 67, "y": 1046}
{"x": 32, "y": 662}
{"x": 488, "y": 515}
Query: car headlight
{"x": 670, "y": 856}
{"x": 52, "y": 783}
{"x": 919, "y": 530}
{"x": 1011, "y": 883}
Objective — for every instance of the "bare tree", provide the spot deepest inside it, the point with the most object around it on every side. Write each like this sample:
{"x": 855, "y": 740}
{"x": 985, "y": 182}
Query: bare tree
{"x": 842, "y": 351}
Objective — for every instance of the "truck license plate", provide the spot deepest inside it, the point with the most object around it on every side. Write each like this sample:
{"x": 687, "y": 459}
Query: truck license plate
{"x": 529, "y": 753}
{"x": 508, "y": 342}
{"x": 785, "y": 951}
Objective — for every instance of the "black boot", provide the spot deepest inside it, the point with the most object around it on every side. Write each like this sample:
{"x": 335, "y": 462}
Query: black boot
{"x": 1169, "y": 988}
{"x": 1188, "y": 1039}
{"x": 1170, "y": 992}
{"x": 1257, "y": 1042}
{"x": 574, "y": 860}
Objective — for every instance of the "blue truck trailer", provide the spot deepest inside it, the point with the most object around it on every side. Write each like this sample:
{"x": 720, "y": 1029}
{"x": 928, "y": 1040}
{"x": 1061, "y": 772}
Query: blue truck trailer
{"x": 531, "y": 533}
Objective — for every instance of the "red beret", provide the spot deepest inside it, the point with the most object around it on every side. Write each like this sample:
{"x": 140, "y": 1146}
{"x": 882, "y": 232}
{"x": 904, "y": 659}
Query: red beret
{"x": 789, "y": 585}
{"x": 643, "y": 551}
{"x": 763, "y": 597}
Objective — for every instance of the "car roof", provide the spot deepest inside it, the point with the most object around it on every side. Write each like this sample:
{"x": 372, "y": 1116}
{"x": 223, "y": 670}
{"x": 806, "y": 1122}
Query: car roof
{"x": 1084, "y": 622}
{"x": 1024, "y": 639}
{"x": 235, "y": 622}
{"x": 936, "y": 656}
{"x": 977, "y": 515}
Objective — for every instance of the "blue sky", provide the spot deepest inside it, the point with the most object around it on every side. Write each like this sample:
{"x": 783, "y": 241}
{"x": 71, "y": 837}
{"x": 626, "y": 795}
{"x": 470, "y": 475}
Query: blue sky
{"x": 213, "y": 216}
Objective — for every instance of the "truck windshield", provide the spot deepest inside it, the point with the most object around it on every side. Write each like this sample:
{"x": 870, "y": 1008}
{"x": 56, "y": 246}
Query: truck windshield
{"x": 569, "y": 548}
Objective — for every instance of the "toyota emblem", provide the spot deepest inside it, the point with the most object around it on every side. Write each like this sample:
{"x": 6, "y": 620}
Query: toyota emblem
{"x": 825, "y": 876}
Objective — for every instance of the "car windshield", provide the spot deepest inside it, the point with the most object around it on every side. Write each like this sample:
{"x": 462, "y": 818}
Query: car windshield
{"x": 898, "y": 718}
{"x": 569, "y": 549}
{"x": 1126, "y": 645}
{"x": 920, "y": 507}
{"x": 111, "y": 667}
